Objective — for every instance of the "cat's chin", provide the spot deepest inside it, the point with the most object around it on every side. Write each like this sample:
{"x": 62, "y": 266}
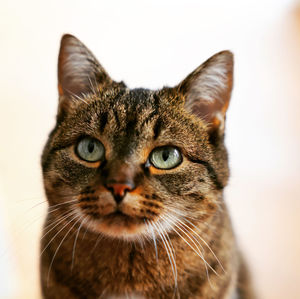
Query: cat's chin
{"x": 121, "y": 226}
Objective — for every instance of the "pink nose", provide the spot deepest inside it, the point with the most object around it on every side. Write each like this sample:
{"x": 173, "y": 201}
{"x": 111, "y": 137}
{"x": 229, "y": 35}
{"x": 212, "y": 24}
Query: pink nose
{"x": 119, "y": 190}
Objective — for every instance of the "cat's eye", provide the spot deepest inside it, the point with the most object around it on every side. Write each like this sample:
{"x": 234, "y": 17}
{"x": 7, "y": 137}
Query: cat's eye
{"x": 90, "y": 149}
{"x": 166, "y": 157}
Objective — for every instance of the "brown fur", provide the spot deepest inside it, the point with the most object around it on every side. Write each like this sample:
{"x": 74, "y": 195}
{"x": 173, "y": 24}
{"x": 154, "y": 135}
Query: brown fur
{"x": 89, "y": 251}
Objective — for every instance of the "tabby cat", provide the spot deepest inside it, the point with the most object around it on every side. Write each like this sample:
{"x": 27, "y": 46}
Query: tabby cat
{"x": 134, "y": 180}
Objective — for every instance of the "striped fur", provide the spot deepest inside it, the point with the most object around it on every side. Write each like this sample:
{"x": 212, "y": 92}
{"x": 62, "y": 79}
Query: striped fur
{"x": 175, "y": 240}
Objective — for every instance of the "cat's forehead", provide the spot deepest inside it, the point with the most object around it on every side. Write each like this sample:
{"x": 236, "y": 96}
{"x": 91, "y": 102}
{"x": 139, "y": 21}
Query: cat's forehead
{"x": 136, "y": 97}
{"x": 119, "y": 112}
{"x": 131, "y": 121}
{"x": 125, "y": 119}
{"x": 131, "y": 102}
{"x": 130, "y": 117}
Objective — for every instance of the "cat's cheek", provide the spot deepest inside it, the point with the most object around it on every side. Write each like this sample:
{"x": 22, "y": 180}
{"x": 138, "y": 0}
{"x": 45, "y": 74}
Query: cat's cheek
{"x": 57, "y": 189}
{"x": 96, "y": 204}
{"x": 76, "y": 174}
{"x": 131, "y": 205}
{"x": 135, "y": 205}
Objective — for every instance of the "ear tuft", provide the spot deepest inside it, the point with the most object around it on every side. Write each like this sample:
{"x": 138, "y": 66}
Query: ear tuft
{"x": 207, "y": 90}
{"x": 78, "y": 69}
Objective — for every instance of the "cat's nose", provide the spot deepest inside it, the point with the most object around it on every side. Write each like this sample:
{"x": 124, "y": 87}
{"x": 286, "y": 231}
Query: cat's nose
{"x": 119, "y": 189}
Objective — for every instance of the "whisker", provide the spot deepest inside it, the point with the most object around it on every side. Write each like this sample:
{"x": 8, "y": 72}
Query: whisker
{"x": 204, "y": 243}
{"x": 59, "y": 247}
{"x": 150, "y": 228}
{"x": 16, "y": 234}
{"x": 198, "y": 235}
{"x": 99, "y": 238}
{"x": 57, "y": 222}
{"x": 92, "y": 85}
{"x": 19, "y": 201}
{"x": 74, "y": 246}
{"x": 36, "y": 205}
{"x": 199, "y": 253}
{"x": 57, "y": 234}
{"x": 168, "y": 251}
{"x": 173, "y": 254}
{"x": 50, "y": 210}
{"x": 76, "y": 96}
{"x": 63, "y": 203}
{"x": 86, "y": 230}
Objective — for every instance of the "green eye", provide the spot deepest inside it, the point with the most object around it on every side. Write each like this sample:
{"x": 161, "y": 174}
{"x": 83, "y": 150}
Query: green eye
{"x": 166, "y": 157}
{"x": 90, "y": 149}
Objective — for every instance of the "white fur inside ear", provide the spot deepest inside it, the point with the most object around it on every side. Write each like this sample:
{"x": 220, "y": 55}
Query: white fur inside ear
{"x": 79, "y": 71}
{"x": 211, "y": 83}
{"x": 77, "y": 67}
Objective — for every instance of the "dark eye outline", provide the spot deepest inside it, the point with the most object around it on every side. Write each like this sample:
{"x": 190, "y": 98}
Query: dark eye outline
{"x": 96, "y": 141}
{"x": 149, "y": 162}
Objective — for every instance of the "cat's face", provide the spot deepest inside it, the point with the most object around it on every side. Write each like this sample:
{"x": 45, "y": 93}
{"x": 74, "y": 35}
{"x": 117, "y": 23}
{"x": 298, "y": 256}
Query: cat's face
{"x": 131, "y": 163}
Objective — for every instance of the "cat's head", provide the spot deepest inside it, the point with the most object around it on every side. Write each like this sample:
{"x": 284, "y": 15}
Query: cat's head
{"x": 131, "y": 163}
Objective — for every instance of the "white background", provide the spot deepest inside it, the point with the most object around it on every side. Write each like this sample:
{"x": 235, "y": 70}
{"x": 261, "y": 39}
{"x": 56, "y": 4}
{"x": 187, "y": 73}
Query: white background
{"x": 151, "y": 44}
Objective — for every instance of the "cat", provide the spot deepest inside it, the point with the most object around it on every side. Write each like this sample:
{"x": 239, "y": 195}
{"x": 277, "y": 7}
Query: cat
{"x": 134, "y": 179}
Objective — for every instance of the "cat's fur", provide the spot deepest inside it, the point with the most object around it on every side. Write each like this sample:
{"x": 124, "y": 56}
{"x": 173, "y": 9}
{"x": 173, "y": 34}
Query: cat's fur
{"x": 176, "y": 240}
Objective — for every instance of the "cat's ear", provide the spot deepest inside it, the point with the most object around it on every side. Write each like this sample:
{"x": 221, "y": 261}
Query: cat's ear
{"x": 207, "y": 90}
{"x": 78, "y": 69}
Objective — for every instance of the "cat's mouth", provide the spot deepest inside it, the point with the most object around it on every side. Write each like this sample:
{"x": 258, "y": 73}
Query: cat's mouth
{"x": 119, "y": 217}
{"x": 120, "y": 225}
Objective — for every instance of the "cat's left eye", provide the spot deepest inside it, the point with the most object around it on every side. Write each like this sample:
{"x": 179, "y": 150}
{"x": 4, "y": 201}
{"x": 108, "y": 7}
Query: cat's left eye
{"x": 165, "y": 157}
{"x": 90, "y": 149}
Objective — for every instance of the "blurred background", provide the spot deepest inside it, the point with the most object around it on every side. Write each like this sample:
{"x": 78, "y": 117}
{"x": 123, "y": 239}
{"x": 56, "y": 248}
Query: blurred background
{"x": 151, "y": 44}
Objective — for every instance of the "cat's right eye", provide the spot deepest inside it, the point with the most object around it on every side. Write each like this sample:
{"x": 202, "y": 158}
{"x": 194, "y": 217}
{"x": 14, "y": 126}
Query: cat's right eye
{"x": 90, "y": 149}
{"x": 165, "y": 157}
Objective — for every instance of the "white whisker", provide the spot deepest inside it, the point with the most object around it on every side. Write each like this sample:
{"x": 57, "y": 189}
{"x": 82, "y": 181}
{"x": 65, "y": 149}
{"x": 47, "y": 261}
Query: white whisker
{"x": 197, "y": 235}
{"x": 57, "y": 222}
{"x": 74, "y": 245}
{"x": 48, "y": 276}
{"x": 76, "y": 96}
{"x": 150, "y": 228}
{"x": 34, "y": 206}
{"x": 204, "y": 243}
{"x": 100, "y": 236}
{"x": 63, "y": 203}
{"x": 198, "y": 251}
{"x": 169, "y": 252}
{"x": 92, "y": 85}
{"x": 86, "y": 230}
{"x": 57, "y": 234}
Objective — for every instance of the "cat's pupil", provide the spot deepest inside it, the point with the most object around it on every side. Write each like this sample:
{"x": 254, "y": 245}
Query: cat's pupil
{"x": 91, "y": 146}
{"x": 165, "y": 155}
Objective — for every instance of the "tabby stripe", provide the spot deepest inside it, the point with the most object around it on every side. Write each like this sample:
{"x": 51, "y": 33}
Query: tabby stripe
{"x": 157, "y": 128}
{"x": 131, "y": 124}
{"x": 148, "y": 118}
{"x": 153, "y": 113}
{"x": 211, "y": 172}
{"x": 156, "y": 101}
{"x": 103, "y": 121}
{"x": 115, "y": 100}
{"x": 117, "y": 118}
{"x": 87, "y": 199}
{"x": 131, "y": 257}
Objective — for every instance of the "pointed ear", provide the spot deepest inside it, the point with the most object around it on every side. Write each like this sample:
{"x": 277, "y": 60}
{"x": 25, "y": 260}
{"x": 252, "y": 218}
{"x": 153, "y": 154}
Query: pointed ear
{"x": 78, "y": 69}
{"x": 207, "y": 90}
